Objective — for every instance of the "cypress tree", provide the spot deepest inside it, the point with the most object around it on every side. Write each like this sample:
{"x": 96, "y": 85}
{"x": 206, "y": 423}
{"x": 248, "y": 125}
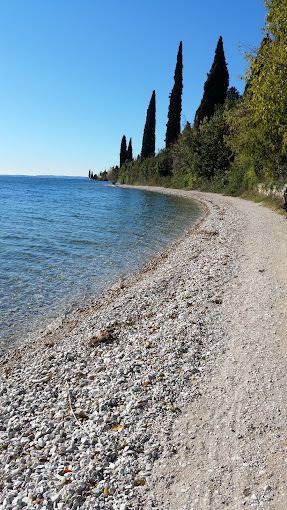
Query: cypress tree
{"x": 148, "y": 143}
{"x": 123, "y": 153}
{"x": 215, "y": 87}
{"x": 130, "y": 151}
{"x": 175, "y": 100}
{"x": 89, "y": 174}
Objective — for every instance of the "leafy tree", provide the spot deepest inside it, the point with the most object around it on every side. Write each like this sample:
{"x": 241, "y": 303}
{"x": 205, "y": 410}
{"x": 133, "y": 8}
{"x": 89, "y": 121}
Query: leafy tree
{"x": 113, "y": 174}
{"x": 175, "y": 103}
{"x": 182, "y": 154}
{"x": 215, "y": 87}
{"x": 123, "y": 152}
{"x": 259, "y": 125}
{"x": 212, "y": 156}
{"x": 130, "y": 151}
{"x": 256, "y": 67}
{"x": 148, "y": 143}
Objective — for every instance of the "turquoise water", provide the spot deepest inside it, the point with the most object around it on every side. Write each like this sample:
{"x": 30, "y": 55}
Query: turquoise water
{"x": 63, "y": 240}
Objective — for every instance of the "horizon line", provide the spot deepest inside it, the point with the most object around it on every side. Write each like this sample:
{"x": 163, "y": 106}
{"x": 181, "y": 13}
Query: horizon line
{"x": 41, "y": 175}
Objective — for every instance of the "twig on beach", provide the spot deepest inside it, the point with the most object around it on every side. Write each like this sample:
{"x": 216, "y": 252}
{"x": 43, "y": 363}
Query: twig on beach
{"x": 74, "y": 415}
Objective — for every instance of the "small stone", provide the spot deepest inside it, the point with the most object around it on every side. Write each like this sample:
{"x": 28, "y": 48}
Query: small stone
{"x": 55, "y": 498}
{"x": 17, "y": 502}
{"x": 26, "y": 500}
{"x": 82, "y": 415}
{"x": 24, "y": 440}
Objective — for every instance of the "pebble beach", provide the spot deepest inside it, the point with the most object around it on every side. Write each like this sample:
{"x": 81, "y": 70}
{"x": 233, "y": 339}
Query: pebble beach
{"x": 90, "y": 407}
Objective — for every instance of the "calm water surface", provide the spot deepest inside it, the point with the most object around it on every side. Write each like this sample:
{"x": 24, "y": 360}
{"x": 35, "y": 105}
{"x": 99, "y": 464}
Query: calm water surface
{"x": 62, "y": 240}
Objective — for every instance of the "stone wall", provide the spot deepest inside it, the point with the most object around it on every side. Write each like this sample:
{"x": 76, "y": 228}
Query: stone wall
{"x": 274, "y": 189}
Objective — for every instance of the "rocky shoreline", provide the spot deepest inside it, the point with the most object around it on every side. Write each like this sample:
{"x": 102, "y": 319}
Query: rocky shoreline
{"x": 88, "y": 408}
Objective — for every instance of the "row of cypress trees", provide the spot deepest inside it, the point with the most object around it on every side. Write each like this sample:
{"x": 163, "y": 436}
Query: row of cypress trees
{"x": 235, "y": 142}
{"x": 215, "y": 90}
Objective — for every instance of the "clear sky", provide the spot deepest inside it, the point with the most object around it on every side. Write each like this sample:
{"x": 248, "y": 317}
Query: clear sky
{"x": 78, "y": 74}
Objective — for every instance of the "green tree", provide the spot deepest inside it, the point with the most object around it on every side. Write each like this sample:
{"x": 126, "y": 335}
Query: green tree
{"x": 182, "y": 154}
{"x": 259, "y": 125}
{"x": 215, "y": 87}
{"x": 123, "y": 151}
{"x": 212, "y": 156}
{"x": 175, "y": 103}
{"x": 148, "y": 143}
{"x": 232, "y": 97}
{"x": 130, "y": 151}
{"x": 256, "y": 66}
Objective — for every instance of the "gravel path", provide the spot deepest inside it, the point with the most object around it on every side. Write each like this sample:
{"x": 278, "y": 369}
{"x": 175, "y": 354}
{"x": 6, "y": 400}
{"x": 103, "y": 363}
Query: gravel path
{"x": 169, "y": 392}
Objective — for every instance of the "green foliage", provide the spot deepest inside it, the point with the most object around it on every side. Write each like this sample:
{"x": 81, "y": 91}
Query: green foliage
{"x": 215, "y": 87}
{"x": 152, "y": 171}
{"x": 273, "y": 202}
{"x": 113, "y": 174}
{"x": 232, "y": 97}
{"x": 182, "y": 155}
{"x": 130, "y": 151}
{"x": 148, "y": 143}
{"x": 123, "y": 151}
{"x": 236, "y": 142}
{"x": 212, "y": 155}
{"x": 103, "y": 176}
{"x": 200, "y": 158}
{"x": 259, "y": 126}
{"x": 175, "y": 103}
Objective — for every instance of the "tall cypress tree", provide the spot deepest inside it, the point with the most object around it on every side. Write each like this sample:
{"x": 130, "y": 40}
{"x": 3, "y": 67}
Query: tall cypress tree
{"x": 215, "y": 87}
{"x": 123, "y": 152}
{"x": 174, "y": 111}
{"x": 130, "y": 151}
{"x": 148, "y": 143}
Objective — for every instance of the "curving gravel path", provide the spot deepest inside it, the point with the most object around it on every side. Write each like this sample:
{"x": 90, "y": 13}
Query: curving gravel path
{"x": 169, "y": 392}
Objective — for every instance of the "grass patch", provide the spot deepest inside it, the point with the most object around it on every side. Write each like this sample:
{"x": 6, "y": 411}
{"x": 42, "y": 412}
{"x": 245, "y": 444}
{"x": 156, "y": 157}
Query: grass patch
{"x": 273, "y": 202}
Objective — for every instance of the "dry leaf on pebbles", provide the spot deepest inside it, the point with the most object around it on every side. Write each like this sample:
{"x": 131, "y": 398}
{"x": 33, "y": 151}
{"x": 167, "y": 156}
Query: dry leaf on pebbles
{"x": 101, "y": 336}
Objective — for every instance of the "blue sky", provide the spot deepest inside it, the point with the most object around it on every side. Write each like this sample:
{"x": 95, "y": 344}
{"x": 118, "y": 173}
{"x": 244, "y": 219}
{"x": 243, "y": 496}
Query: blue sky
{"x": 78, "y": 74}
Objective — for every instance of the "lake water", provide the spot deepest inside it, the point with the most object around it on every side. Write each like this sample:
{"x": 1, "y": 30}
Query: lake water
{"x": 63, "y": 240}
